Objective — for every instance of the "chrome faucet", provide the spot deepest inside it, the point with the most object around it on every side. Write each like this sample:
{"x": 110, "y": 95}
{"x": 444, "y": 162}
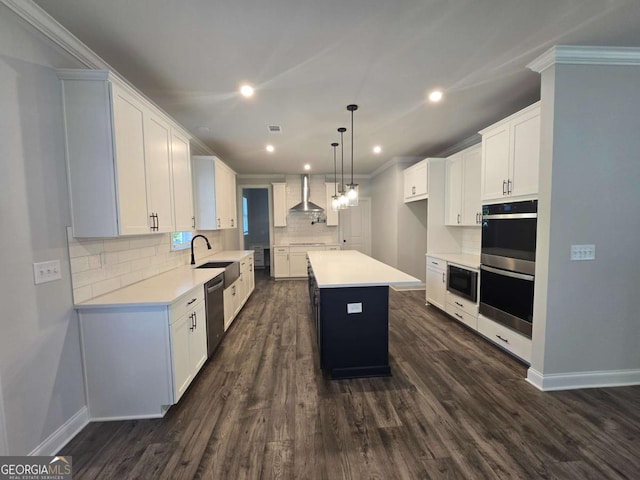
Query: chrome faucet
{"x": 193, "y": 258}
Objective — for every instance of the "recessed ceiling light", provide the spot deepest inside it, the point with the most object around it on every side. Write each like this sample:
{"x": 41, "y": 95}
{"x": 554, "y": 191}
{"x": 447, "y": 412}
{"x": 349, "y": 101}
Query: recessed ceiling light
{"x": 270, "y": 148}
{"x": 435, "y": 96}
{"x": 377, "y": 149}
{"x": 247, "y": 90}
{"x": 307, "y": 166}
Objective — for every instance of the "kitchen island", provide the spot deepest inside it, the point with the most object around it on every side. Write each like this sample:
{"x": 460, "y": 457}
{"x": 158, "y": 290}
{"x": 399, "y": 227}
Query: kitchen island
{"x": 349, "y": 293}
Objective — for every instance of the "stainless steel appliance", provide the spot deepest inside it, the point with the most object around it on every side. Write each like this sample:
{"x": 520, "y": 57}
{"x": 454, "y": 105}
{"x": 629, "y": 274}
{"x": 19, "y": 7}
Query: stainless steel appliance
{"x": 463, "y": 282}
{"x": 215, "y": 312}
{"x": 508, "y": 255}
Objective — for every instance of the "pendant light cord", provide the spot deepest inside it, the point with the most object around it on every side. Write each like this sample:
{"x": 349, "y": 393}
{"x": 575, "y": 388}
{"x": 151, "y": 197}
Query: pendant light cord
{"x": 342, "y": 130}
{"x": 335, "y": 173}
{"x": 352, "y": 148}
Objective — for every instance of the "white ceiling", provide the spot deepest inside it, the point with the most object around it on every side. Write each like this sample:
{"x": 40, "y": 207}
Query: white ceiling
{"x": 310, "y": 58}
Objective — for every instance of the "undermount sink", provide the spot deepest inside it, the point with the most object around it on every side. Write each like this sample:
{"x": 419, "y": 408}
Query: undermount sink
{"x": 231, "y": 270}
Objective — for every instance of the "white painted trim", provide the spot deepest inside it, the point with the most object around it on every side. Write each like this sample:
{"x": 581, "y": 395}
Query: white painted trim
{"x": 572, "y": 381}
{"x": 4, "y": 441}
{"x": 58, "y": 439}
{"x": 586, "y": 55}
{"x": 462, "y": 145}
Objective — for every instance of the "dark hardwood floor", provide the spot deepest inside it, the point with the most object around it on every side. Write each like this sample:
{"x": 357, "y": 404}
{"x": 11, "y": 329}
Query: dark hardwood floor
{"x": 455, "y": 407}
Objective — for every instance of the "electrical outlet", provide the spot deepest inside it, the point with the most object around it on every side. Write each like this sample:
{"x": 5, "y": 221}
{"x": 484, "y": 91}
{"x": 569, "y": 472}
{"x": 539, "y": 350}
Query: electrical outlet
{"x": 583, "y": 252}
{"x": 46, "y": 271}
{"x": 354, "y": 307}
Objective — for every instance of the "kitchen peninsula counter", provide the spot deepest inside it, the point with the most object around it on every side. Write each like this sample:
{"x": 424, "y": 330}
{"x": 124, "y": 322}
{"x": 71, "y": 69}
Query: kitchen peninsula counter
{"x": 349, "y": 293}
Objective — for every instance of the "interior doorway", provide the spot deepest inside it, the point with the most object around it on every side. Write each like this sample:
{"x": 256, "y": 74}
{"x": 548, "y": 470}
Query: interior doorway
{"x": 355, "y": 227}
{"x": 255, "y": 225}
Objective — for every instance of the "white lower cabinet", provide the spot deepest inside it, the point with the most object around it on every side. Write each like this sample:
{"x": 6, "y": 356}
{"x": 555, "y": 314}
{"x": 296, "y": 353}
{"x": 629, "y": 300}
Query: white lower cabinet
{"x": 436, "y": 284}
{"x": 291, "y": 261}
{"x": 462, "y": 310}
{"x": 505, "y": 338}
{"x": 139, "y": 360}
{"x": 188, "y": 347}
{"x": 237, "y": 294}
{"x": 280, "y": 262}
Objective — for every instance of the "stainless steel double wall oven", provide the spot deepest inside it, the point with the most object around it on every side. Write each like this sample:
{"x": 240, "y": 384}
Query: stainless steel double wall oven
{"x": 508, "y": 256}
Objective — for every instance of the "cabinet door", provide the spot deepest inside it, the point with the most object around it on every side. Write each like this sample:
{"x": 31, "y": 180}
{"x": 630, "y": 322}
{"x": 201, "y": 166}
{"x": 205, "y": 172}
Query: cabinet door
{"x": 332, "y": 217}
{"x": 471, "y": 204}
{"x": 409, "y": 185}
{"x": 453, "y": 190}
{"x": 198, "y": 339}
{"x": 525, "y": 151}
{"x": 229, "y": 298}
{"x": 298, "y": 265}
{"x": 420, "y": 179}
{"x": 232, "y": 199}
{"x": 204, "y": 185}
{"x": 222, "y": 196}
{"x": 279, "y": 204}
{"x": 128, "y": 126}
{"x": 436, "y": 286}
{"x": 182, "y": 372}
{"x": 495, "y": 162}
{"x": 182, "y": 187}
{"x": 251, "y": 276}
{"x": 280, "y": 265}
{"x": 158, "y": 169}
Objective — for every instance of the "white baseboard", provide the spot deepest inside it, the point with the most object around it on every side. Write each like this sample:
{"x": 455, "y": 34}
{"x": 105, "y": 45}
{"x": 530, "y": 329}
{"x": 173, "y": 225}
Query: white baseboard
{"x": 573, "y": 381}
{"x": 58, "y": 439}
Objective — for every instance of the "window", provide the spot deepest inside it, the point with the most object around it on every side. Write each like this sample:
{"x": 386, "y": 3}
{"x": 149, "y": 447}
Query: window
{"x": 181, "y": 240}
{"x": 245, "y": 216}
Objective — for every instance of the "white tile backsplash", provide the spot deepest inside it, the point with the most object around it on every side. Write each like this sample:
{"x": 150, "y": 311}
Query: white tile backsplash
{"x": 471, "y": 237}
{"x": 101, "y": 266}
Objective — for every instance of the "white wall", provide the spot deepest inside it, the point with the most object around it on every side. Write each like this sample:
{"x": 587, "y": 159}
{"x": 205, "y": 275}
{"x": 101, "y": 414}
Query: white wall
{"x": 40, "y": 364}
{"x": 398, "y": 230}
{"x": 586, "y": 313}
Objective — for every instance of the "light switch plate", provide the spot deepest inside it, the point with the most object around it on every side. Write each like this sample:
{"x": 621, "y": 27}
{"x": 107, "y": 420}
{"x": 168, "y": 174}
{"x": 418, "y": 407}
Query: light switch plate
{"x": 583, "y": 252}
{"x": 46, "y": 271}
{"x": 354, "y": 307}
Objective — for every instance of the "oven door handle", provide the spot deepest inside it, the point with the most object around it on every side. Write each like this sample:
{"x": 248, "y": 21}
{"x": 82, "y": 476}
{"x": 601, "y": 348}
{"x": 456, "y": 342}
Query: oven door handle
{"x": 508, "y": 216}
{"x": 506, "y": 273}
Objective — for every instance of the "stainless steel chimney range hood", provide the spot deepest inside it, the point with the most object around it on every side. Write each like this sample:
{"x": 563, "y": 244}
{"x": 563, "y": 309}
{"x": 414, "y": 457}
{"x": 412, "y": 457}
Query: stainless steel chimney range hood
{"x": 306, "y": 205}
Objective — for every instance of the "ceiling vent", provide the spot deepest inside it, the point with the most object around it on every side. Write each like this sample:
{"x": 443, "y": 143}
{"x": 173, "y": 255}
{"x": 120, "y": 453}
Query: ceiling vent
{"x": 275, "y": 129}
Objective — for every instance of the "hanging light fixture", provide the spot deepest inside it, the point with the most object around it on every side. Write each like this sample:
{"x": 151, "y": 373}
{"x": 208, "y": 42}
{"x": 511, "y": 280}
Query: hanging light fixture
{"x": 352, "y": 188}
{"x": 335, "y": 199}
{"x": 343, "y": 201}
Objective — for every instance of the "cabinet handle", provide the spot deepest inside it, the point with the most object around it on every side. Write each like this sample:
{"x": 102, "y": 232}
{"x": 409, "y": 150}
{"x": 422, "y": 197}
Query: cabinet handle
{"x": 458, "y": 218}
{"x": 459, "y": 316}
{"x": 191, "y": 301}
{"x": 232, "y": 222}
{"x": 509, "y": 182}
{"x": 234, "y": 290}
{"x": 157, "y": 222}
{"x": 194, "y": 221}
{"x": 442, "y": 277}
{"x": 459, "y": 304}
{"x": 195, "y": 320}
{"x": 503, "y": 339}
{"x": 504, "y": 187}
{"x": 435, "y": 263}
{"x": 413, "y": 190}
{"x": 191, "y": 328}
{"x": 218, "y": 222}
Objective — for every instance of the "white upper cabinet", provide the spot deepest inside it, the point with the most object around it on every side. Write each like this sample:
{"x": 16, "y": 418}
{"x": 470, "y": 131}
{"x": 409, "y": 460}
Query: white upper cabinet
{"x": 280, "y": 205}
{"x": 119, "y": 162}
{"x": 158, "y": 172}
{"x": 415, "y": 182}
{"x": 462, "y": 191}
{"x": 184, "y": 218}
{"x": 215, "y": 193}
{"x": 511, "y": 155}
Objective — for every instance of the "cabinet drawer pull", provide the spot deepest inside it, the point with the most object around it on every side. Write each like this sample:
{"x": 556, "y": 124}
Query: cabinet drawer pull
{"x": 503, "y": 339}
{"x": 509, "y": 189}
{"x": 442, "y": 277}
{"x": 435, "y": 263}
{"x": 191, "y": 328}
{"x": 459, "y": 304}
{"x": 459, "y": 316}
{"x": 191, "y": 301}
{"x": 504, "y": 187}
{"x": 194, "y": 221}
{"x": 195, "y": 320}
{"x": 458, "y": 218}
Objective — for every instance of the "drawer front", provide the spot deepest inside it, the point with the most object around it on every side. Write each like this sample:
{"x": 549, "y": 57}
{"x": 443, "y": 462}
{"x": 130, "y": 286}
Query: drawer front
{"x": 281, "y": 249}
{"x": 463, "y": 304}
{"x": 436, "y": 263}
{"x": 511, "y": 341}
{"x": 186, "y": 303}
{"x": 462, "y": 316}
{"x": 333, "y": 248}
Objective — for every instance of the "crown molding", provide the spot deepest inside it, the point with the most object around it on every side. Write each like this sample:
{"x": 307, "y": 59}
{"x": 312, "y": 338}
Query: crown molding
{"x": 401, "y": 160}
{"x": 586, "y": 55}
{"x": 462, "y": 145}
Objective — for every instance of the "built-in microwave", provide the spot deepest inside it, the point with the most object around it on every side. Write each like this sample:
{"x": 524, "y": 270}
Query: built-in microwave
{"x": 462, "y": 282}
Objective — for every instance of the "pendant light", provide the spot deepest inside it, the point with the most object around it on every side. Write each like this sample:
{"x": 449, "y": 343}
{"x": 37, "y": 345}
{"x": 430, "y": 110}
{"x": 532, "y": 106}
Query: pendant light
{"x": 352, "y": 188}
{"x": 343, "y": 201}
{"x": 335, "y": 199}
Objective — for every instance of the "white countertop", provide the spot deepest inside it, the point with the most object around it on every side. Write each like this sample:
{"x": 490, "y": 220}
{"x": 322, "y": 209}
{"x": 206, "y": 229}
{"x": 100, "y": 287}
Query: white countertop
{"x": 350, "y": 268}
{"x": 167, "y": 287}
{"x": 462, "y": 259}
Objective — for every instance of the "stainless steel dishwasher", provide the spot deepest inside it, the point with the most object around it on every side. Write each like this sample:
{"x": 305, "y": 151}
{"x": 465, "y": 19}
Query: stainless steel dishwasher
{"x": 215, "y": 312}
